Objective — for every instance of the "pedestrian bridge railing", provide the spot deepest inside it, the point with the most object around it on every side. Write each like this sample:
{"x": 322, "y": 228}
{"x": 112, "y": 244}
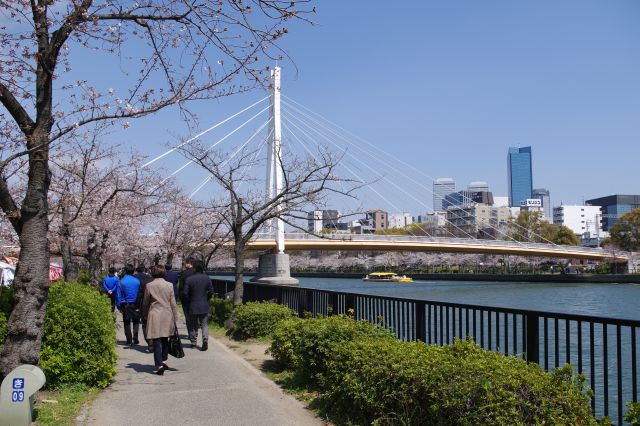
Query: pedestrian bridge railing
{"x": 441, "y": 241}
{"x": 603, "y": 349}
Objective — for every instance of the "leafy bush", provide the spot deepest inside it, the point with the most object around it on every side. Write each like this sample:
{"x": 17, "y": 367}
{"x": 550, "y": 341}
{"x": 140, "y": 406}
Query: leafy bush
{"x": 633, "y": 415}
{"x": 79, "y": 337}
{"x": 221, "y": 310}
{"x": 390, "y": 382}
{"x": 3, "y": 328}
{"x": 259, "y": 319}
{"x": 304, "y": 345}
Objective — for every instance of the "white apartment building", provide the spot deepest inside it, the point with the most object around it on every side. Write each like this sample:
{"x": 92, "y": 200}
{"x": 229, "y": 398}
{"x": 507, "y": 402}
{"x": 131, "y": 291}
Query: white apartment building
{"x": 399, "y": 220}
{"x": 441, "y": 188}
{"x": 580, "y": 219}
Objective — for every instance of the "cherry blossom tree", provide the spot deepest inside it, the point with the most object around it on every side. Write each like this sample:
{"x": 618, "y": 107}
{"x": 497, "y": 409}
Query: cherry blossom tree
{"x": 169, "y": 53}
{"x": 96, "y": 195}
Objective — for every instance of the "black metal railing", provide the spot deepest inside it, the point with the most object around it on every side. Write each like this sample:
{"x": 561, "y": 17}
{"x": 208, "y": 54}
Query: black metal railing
{"x": 603, "y": 349}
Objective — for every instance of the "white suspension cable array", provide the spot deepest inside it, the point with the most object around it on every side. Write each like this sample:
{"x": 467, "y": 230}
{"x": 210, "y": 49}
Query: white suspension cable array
{"x": 387, "y": 157}
{"x": 228, "y": 159}
{"x": 227, "y": 136}
{"x": 204, "y": 132}
{"x": 370, "y": 168}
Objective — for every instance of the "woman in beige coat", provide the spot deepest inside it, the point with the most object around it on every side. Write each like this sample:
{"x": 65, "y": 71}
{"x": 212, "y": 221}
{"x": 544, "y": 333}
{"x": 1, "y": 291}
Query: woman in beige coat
{"x": 161, "y": 315}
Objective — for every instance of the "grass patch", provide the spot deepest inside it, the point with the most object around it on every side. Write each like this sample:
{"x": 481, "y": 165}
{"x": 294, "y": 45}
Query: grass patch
{"x": 64, "y": 412}
{"x": 216, "y": 330}
{"x": 292, "y": 383}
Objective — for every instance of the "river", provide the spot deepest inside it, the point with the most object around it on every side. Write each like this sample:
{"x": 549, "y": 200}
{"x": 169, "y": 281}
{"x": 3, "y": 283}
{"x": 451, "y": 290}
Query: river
{"x": 606, "y": 299}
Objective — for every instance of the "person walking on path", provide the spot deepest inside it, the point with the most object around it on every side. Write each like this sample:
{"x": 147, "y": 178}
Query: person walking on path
{"x": 198, "y": 290}
{"x": 186, "y": 273}
{"x": 161, "y": 316}
{"x": 144, "y": 280}
{"x": 127, "y": 295}
{"x": 172, "y": 277}
{"x": 110, "y": 285}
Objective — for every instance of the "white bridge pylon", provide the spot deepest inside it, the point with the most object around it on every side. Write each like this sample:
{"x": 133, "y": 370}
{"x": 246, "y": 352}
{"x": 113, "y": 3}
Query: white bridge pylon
{"x": 274, "y": 157}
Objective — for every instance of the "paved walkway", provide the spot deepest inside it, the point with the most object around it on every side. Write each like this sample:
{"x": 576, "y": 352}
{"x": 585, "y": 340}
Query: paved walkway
{"x": 205, "y": 388}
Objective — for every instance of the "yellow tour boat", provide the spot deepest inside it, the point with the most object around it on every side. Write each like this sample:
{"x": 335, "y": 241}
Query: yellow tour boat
{"x": 383, "y": 277}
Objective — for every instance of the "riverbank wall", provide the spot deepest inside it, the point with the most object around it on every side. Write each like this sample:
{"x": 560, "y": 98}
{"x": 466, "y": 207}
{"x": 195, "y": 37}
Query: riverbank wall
{"x": 546, "y": 278}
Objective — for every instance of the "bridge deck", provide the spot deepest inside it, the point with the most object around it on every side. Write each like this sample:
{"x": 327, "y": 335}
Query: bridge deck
{"x": 490, "y": 247}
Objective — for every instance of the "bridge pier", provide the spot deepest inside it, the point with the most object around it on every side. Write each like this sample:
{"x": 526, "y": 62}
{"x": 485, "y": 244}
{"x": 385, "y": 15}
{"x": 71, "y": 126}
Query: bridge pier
{"x": 273, "y": 268}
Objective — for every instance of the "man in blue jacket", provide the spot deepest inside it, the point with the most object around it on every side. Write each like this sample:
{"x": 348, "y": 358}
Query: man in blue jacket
{"x": 110, "y": 285}
{"x": 127, "y": 295}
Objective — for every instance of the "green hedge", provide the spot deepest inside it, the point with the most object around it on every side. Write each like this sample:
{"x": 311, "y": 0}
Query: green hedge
{"x": 259, "y": 319}
{"x": 304, "y": 345}
{"x": 392, "y": 382}
{"x": 79, "y": 337}
{"x": 221, "y": 310}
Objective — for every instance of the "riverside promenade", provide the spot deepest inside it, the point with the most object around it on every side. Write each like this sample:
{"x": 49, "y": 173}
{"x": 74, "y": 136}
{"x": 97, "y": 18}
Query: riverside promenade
{"x": 213, "y": 387}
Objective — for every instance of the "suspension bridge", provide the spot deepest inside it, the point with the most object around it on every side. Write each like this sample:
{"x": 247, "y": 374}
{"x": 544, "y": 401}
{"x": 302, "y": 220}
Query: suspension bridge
{"x": 279, "y": 124}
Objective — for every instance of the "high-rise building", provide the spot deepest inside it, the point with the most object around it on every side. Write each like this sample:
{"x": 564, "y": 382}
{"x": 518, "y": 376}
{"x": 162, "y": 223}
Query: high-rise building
{"x": 580, "y": 219}
{"x": 543, "y": 195}
{"x": 467, "y": 198}
{"x": 614, "y": 206}
{"x": 478, "y": 186}
{"x": 520, "y": 175}
{"x": 441, "y": 188}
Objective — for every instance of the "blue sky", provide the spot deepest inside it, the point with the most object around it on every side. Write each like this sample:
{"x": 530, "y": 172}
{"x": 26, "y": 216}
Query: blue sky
{"x": 448, "y": 86}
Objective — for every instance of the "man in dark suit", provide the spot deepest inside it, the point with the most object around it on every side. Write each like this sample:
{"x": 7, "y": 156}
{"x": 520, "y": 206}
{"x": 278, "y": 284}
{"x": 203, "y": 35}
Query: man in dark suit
{"x": 198, "y": 289}
{"x": 144, "y": 280}
{"x": 184, "y": 274}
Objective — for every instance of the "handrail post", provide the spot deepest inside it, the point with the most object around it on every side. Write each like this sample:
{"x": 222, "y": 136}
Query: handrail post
{"x": 533, "y": 338}
{"x": 421, "y": 329}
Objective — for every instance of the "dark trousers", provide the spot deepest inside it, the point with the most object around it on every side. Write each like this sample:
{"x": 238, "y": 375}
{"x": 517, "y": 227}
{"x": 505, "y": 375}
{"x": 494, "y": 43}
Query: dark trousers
{"x": 199, "y": 322}
{"x": 112, "y": 297}
{"x": 160, "y": 350}
{"x": 187, "y": 318}
{"x": 131, "y": 314}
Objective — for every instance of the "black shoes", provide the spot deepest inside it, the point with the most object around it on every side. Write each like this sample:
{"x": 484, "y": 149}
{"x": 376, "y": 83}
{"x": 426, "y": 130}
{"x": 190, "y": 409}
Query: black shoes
{"x": 160, "y": 370}
{"x": 205, "y": 346}
{"x": 136, "y": 341}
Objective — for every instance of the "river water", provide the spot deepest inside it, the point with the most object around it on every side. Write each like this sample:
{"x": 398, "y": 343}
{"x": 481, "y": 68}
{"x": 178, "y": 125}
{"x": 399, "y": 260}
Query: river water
{"x": 607, "y": 300}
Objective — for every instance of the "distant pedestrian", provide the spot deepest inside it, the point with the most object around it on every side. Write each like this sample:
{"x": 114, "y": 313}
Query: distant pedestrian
{"x": 110, "y": 285}
{"x": 144, "y": 280}
{"x": 198, "y": 289}
{"x": 161, "y": 316}
{"x": 127, "y": 295}
{"x": 186, "y": 272}
{"x": 173, "y": 277}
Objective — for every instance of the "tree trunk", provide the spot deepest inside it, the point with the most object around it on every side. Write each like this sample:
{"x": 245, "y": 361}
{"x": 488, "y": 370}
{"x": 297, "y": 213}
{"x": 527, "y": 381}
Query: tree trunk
{"x": 31, "y": 283}
{"x": 170, "y": 257}
{"x": 95, "y": 249}
{"x": 239, "y": 268}
{"x": 69, "y": 266}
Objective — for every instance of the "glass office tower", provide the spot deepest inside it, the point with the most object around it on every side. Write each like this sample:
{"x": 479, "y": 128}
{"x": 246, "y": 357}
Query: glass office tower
{"x": 520, "y": 175}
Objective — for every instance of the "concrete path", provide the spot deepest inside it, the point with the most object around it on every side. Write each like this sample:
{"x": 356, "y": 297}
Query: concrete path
{"x": 216, "y": 387}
